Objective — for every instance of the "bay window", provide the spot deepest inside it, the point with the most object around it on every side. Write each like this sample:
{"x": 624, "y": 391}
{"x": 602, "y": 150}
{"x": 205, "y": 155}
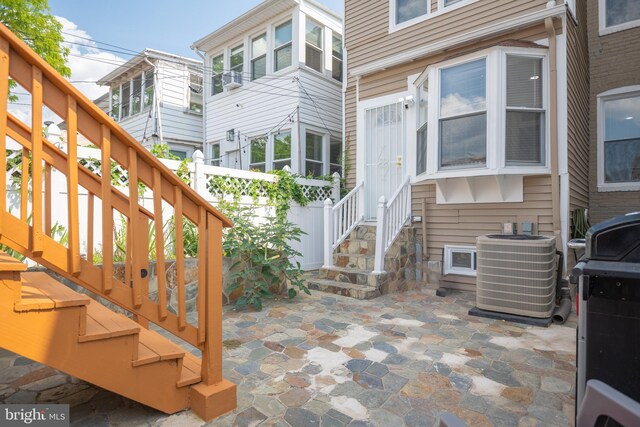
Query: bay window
{"x": 463, "y": 115}
{"x": 524, "y": 141}
{"x": 619, "y": 140}
{"x": 313, "y": 50}
{"x": 283, "y": 46}
{"x": 483, "y": 115}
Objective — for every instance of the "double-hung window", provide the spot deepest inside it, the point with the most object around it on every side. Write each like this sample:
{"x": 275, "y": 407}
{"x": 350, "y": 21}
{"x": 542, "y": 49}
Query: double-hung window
{"x": 258, "y": 155}
{"x": 525, "y": 129}
{"x": 281, "y": 150}
{"x": 314, "y": 150}
{"x": 618, "y": 15}
{"x": 136, "y": 95}
{"x": 215, "y": 154}
{"x": 619, "y": 140}
{"x": 195, "y": 93}
{"x": 463, "y": 115}
{"x": 335, "y": 156}
{"x": 126, "y": 100}
{"x": 423, "y": 121}
{"x": 147, "y": 99}
{"x": 115, "y": 103}
{"x": 336, "y": 54}
{"x": 259, "y": 57}
{"x": 236, "y": 59}
{"x": 313, "y": 50}
{"x": 283, "y": 49}
{"x": 217, "y": 69}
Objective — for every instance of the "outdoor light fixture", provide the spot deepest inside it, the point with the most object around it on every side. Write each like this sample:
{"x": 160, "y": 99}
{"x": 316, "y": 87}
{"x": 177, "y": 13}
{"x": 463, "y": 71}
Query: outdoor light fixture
{"x": 231, "y": 133}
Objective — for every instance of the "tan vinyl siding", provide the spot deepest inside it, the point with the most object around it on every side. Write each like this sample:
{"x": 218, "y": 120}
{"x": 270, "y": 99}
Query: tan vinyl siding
{"x": 368, "y": 38}
{"x": 350, "y": 131}
{"x": 578, "y": 109}
{"x": 614, "y": 62}
{"x": 461, "y": 224}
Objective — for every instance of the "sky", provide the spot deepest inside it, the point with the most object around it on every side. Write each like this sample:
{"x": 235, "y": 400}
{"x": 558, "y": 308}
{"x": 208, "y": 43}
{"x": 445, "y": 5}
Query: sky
{"x": 102, "y": 34}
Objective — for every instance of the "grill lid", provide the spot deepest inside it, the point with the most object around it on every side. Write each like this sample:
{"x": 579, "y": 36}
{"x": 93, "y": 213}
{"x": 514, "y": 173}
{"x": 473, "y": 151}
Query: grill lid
{"x": 616, "y": 239}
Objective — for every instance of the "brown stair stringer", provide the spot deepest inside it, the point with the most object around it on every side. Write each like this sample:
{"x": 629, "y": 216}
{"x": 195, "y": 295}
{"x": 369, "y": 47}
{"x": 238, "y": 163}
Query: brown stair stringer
{"x": 51, "y": 337}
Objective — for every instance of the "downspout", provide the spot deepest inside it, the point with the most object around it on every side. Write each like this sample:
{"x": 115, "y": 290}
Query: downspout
{"x": 553, "y": 131}
{"x": 156, "y": 101}
{"x": 204, "y": 102}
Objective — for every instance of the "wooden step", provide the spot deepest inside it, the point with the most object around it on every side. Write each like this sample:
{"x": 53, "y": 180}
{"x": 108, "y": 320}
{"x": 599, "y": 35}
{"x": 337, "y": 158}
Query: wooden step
{"x": 190, "y": 370}
{"x": 153, "y": 347}
{"x": 102, "y": 323}
{"x": 42, "y": 292}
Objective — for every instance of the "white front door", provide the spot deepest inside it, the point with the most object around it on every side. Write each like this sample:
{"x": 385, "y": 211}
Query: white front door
{"x": 385, "y": 154}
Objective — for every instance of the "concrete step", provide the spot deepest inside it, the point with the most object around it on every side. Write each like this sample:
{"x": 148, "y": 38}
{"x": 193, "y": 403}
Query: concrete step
{"x": 344, "y": 289}
{"x": 357, "y": 261}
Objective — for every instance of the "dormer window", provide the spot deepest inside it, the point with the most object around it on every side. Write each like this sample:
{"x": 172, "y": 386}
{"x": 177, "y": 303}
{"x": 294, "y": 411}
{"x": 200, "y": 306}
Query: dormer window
{"x": 313, "y": 51}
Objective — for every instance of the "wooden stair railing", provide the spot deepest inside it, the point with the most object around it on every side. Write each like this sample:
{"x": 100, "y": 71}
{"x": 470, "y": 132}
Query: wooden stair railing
{"x": 30, "y": 232}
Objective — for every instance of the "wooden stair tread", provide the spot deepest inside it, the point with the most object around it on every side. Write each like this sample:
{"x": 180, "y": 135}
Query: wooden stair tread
{"x": 39, "y": 291}
{"x": 103, "y": 323}
{"x": 190, "y": 370}
{"x": 9, "y": 263}
{"x": 153, "y": 342}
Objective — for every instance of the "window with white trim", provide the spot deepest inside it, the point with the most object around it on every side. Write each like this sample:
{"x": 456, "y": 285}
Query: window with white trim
{"x": 314, "y": 46}
{"x": 195, "y": 93}
{"x": 215, "y": 154}
{"x": 487, "y": 115}
{"x": 217, "y": 69}
{"x": 115, "y": 103}
{"x": 618, "y": 15}
{"x": 619, "y": 140}
{"x": 406, "y": 10}
{"x": 147, "y": 99}
{"x": 236, "y": 59}
{"x": 336, "y": 54}
{"x": 125, "y": 109}
{"x": 460, "y": 260}
{"x": 136, "y": 95}
{"x": 283, "y": 46}
{"x": 314, "y": 154}
{"x": 258, "y": 154}
{"x": 259, "y": 56}
{"x": 335, "y": 156}
{"x": 281, "y": 150}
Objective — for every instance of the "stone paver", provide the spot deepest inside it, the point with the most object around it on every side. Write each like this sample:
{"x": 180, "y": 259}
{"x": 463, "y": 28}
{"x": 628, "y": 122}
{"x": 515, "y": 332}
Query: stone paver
{"x": 400, "y": 359}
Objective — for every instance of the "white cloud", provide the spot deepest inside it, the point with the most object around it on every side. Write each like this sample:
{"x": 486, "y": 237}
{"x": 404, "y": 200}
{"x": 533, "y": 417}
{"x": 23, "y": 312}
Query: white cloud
{"x": 87, "y": 62}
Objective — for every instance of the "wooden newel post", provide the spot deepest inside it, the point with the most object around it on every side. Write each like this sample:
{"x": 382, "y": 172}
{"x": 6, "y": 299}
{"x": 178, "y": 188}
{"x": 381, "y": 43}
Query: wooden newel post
{"x": 212, "y": 352}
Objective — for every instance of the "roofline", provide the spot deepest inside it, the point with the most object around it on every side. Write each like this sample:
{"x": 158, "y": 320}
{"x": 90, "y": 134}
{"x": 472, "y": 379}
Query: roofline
{"x": 265, "y": 5}
{"x": 457, "y": 40}
{"x": 145, "y": 54}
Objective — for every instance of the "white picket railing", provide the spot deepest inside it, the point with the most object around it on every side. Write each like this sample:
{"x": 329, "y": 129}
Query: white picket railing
{"x": 392, "y": 216}
{"x": 308, "y": 218}
{"x": 341, "y": 219}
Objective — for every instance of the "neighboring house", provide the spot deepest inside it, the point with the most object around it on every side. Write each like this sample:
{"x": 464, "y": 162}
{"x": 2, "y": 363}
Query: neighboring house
{"x": 614, "y": 48}
{"x": 273, "y": 89}
{"x": 482, "y": 104}
{"x": 157, "y": 98}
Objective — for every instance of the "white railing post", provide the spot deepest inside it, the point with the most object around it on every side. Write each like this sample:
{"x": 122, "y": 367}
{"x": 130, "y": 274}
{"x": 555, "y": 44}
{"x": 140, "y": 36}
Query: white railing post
{"x": 328, "y": 233}
{"x": 199, "y": 180}
{"x": 381, "y": 231}
{"x": 335, "y": 193}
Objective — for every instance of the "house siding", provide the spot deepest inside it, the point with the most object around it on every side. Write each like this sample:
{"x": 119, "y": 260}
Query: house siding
{"x": 461, "y": 224}
{"x": 614, "y": 61}
{"x": 367, "y": 32}
{"x": 320, "y": 101}
{"x": 578, "y": 109}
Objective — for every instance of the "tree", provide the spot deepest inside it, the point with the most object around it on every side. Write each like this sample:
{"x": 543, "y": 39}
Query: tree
{"x": 31, "y": 20}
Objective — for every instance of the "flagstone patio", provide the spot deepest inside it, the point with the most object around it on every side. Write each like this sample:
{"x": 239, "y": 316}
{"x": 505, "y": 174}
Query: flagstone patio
{"x": 328, "y": 360}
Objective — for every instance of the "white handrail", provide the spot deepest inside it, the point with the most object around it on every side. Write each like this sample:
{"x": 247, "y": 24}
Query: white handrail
{"x": 340, "y": 220}
{"x": 392, "y": 216}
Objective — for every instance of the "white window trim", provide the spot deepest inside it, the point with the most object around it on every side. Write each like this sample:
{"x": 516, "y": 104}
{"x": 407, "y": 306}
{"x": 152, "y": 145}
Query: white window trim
{"x": 393, "y": 27}
{"x": 190, "y": 93}
{"x": 602, "y": 19}
{"x": 323, "y": 49}
{"x": 496, "y": 114}
{"x": 270, "y": 148}
{"x": 449, "y": 269}
{"x": 326, "y": 147}
{"x": 271, "y": 44}
{"x": 618, "y": 93}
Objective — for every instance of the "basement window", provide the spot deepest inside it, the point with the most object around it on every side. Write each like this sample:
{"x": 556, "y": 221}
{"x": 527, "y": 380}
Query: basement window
{"x": 460, "y": 260}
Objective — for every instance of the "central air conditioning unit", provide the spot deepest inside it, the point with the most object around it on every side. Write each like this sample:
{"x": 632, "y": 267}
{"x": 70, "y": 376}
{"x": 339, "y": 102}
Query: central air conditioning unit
{"x": 516, "y": 274}
{"x": 232, "y": 79}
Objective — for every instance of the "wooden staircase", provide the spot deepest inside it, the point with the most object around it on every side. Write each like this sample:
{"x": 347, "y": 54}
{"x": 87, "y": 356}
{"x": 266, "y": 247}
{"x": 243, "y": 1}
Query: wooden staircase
{"x": 46, "y": 321}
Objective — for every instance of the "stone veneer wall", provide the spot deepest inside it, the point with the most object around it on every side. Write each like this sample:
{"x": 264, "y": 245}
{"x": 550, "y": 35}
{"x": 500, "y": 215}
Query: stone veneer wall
{"x": 400, "y": 264}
